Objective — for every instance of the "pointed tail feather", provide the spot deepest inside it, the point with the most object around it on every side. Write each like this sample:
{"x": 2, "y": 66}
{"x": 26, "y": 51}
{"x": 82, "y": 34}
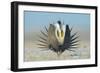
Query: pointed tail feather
{"x": 74, "y": 38}
{"x": 42, "y": 38}
{"x": 45, "y": 42}
{"x": 44, "y": 34}
{"x": 46, "y": 29}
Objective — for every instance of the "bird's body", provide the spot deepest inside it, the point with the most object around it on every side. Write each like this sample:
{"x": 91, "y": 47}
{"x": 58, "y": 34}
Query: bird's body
{"x": 58, "y": 38}
{"x": 52, "y": 40}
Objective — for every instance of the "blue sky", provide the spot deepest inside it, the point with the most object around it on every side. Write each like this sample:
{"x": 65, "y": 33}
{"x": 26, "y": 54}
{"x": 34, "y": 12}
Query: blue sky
{"x": 36, "y": 20}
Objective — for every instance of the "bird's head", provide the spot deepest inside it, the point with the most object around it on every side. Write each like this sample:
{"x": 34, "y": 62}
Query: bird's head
{"x": 60, "y": 32}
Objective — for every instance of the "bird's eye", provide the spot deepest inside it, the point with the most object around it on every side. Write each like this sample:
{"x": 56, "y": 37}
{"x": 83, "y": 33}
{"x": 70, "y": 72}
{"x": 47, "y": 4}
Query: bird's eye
{"x": 62, "y": 33}
{"x": 58, "y": 33}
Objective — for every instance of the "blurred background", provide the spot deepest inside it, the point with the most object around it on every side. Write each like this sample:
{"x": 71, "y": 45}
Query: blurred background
{"x": 36, "y": 21}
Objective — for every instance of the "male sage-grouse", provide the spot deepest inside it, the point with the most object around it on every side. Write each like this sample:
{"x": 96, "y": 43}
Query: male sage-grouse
{"x": 58, "y": 37}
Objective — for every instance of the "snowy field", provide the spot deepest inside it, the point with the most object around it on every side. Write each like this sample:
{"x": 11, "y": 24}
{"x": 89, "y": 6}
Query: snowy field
{"x": 37, "y": 54}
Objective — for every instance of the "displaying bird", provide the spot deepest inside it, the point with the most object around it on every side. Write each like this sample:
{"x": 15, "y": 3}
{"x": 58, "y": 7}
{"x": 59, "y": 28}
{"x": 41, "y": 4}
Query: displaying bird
{"x": 58, "y": 38}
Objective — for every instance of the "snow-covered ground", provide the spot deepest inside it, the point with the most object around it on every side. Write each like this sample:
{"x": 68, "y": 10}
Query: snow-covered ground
{"x": 37, "y": 54}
